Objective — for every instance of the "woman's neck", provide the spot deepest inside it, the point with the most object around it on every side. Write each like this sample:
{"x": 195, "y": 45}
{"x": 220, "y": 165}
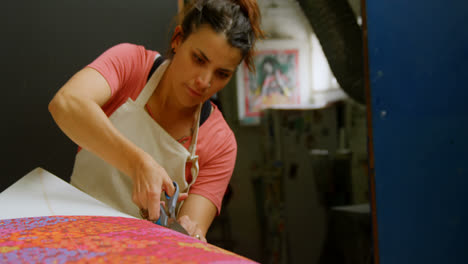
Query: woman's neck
{"x": 164, "y": 100}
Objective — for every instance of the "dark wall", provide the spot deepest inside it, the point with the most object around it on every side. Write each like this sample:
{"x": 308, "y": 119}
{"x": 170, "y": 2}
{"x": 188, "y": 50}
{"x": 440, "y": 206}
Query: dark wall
{"x": 43, "y": 43}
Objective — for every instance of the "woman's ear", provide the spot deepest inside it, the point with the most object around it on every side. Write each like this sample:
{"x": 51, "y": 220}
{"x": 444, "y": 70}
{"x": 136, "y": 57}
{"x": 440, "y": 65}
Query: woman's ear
{"x": 177, "y": 37}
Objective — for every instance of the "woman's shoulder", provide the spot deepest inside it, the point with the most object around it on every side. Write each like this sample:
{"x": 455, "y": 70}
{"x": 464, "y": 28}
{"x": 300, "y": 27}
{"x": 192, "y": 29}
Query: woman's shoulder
{"x": 125, "y": 66}
{"x": 129, "y": 51}
{"x": 216, "y": 140}
{"x": 216, "y": 130}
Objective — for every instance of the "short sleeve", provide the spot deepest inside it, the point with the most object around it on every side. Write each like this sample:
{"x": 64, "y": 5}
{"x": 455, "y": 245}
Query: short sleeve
{"x": 125, "y": 67}
{"x": 123, "y": 64}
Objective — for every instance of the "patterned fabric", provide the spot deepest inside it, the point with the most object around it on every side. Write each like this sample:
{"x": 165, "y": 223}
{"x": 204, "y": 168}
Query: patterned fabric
{"x": 96, "y": 239}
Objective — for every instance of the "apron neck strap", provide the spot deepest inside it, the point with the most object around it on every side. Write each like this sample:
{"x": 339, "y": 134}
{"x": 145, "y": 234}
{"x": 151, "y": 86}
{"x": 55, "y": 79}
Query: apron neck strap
{"x": 193, "y": 145}
{"x": 151, "y": 84}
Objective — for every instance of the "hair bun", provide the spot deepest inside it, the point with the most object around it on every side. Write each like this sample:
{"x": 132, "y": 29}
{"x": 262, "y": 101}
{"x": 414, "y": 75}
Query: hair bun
{"x": 251, "y": 10}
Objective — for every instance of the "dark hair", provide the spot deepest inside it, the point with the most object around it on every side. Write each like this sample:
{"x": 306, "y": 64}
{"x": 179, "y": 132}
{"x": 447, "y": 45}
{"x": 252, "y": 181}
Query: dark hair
{"x": 238, "y": 20}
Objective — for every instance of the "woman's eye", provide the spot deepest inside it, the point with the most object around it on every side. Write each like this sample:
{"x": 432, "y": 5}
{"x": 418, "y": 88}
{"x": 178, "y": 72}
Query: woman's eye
{"x": 198, "y": 59}
{"x": 223, "y": 75}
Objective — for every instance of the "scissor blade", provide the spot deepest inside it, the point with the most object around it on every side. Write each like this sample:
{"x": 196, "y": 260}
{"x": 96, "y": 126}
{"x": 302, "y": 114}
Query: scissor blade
{"x": 177, "y": 227}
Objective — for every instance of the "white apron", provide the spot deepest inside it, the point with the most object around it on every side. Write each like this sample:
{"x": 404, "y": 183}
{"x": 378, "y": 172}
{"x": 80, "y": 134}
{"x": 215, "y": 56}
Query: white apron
{"x": 101, "y": 180}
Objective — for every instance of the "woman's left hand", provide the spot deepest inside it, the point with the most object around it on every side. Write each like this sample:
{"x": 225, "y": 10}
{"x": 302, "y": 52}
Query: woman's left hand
{"x": 191, "y": 227}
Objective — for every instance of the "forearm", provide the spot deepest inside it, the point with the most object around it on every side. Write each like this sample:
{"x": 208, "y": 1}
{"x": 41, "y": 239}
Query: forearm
{"x": 84, "y": 122}
{"x": 200, "y": 210}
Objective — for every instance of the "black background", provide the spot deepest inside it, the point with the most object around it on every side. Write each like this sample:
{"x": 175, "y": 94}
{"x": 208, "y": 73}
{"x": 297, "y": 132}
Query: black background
{"x": 43, "y": 43}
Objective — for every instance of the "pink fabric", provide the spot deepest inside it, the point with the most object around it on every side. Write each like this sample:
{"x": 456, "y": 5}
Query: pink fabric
{"x": 126, "y": 68}
{"x": 100, "y": 239}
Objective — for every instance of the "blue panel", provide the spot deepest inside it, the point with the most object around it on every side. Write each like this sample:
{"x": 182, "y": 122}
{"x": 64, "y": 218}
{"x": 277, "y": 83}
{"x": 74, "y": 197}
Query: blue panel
{"x": 418, "y": 58}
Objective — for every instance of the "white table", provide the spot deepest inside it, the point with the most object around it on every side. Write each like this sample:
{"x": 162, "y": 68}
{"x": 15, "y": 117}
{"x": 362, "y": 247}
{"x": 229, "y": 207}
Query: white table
{"x": 40, "y": 193}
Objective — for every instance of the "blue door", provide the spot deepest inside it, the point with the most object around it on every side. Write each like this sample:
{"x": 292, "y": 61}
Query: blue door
{"x": 417, "y": 55}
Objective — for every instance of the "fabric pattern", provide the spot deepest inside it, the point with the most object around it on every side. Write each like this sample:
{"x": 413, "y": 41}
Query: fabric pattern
{"x": 96, "y": 239}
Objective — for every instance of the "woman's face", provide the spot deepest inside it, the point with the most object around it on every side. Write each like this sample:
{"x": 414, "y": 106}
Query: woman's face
{"x": 202, "y": 65}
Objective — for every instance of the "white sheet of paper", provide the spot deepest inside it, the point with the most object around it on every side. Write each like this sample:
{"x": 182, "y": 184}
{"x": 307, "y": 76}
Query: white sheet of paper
{"x": 40, "y": 193}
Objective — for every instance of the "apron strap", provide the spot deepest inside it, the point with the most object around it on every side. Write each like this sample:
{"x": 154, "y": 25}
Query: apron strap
{"x": 205, "y": 111}
{"x": 152, "y": 83}
{"x": 193, "y": 145}
{"x": 203, "y": 114}
{"x": 158, "y": 60}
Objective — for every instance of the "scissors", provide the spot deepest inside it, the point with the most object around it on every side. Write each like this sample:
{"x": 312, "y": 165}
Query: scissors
{"x": 168, "y": 218}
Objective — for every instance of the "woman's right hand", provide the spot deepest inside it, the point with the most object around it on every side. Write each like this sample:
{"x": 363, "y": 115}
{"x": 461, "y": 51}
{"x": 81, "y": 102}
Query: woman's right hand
{"x": 149, "y": 180}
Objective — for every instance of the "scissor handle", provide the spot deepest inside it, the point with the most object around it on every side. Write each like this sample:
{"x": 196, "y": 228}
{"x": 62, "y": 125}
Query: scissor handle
{"x": 171, "y": 204}
{"x": 162, "y": 221}
{"x": 172, "y": 200}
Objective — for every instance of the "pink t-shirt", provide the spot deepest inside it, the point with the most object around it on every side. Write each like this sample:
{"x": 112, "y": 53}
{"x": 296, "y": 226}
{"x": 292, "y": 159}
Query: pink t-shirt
{"x": 126, "y": 68}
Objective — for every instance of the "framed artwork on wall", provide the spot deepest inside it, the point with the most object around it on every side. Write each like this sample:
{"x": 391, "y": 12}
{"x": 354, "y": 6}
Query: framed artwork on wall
{"x": 280, "y": 78}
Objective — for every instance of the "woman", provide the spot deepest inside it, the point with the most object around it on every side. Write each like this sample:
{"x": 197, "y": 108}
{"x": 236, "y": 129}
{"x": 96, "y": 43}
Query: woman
{"x": 140, "y": 131}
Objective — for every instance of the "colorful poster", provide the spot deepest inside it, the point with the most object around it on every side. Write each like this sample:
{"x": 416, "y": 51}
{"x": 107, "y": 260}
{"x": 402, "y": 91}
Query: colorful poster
{"x": 277, "y": 81}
